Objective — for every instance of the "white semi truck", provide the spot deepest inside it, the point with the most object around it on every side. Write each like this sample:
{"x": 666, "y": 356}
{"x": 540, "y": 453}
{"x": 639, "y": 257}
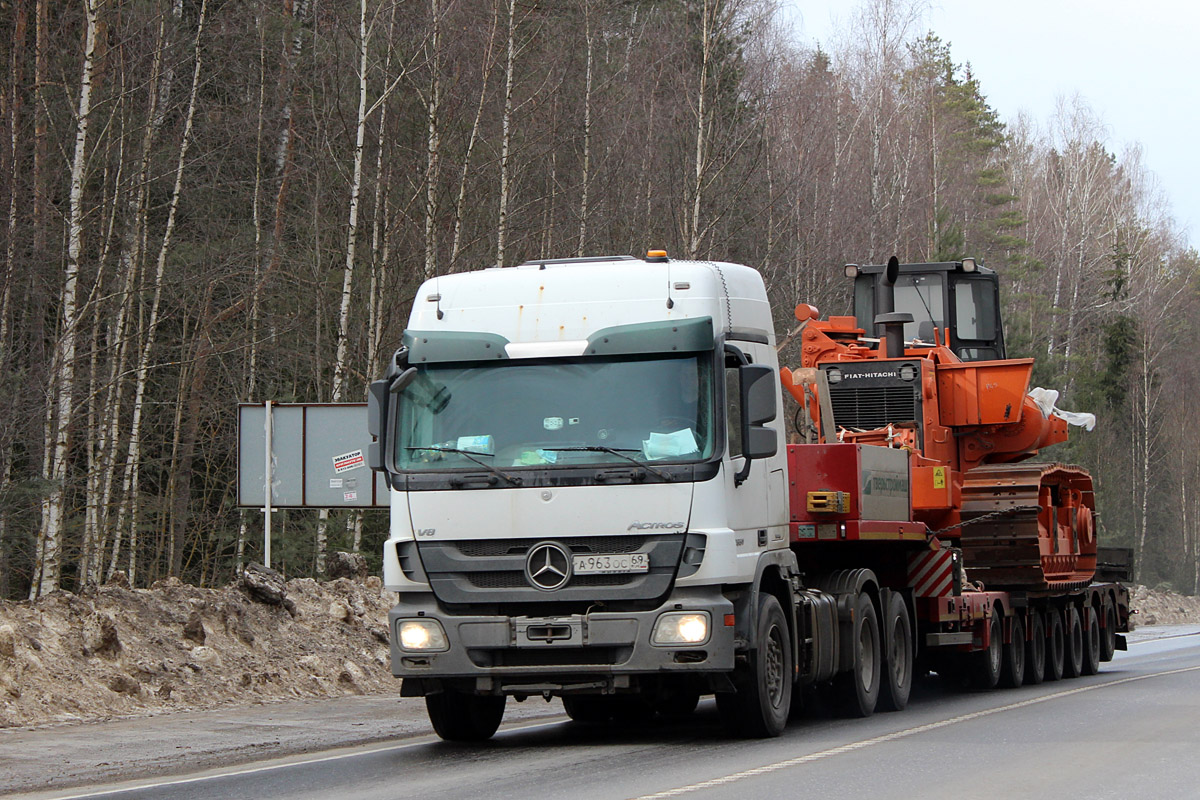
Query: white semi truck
{"x": 591, "y": 498}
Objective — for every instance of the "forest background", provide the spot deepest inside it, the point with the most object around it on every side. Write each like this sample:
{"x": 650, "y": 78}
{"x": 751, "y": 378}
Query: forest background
{"x": 209, "y": 201}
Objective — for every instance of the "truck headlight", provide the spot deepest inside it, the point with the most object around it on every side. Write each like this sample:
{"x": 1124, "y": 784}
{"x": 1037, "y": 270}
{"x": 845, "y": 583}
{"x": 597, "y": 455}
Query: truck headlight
{"x": 681, "y": 627}
{"x": 421, "y": 635}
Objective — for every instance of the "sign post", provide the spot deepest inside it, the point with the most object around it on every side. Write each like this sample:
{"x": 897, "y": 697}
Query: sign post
{"x": 267, "y": 489}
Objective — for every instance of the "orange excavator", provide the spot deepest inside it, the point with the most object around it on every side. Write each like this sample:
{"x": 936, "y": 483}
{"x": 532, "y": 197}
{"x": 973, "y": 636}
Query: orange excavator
{"x": 934, "y": 380}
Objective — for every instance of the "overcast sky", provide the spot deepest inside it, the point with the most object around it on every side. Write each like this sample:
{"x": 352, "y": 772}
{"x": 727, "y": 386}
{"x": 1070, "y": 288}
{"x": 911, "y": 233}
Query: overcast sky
{"x": 1134, "y": 62}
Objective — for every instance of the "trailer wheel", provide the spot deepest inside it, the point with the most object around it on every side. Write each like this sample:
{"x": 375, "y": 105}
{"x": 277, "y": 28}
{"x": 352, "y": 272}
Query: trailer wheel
{"x": 1055, "y": 645}
{"x": 1014, "y": 655}
{"x": 898, "y": 667}
{"x": 858, "y": 689}
{"x": 1035, "y": 649}
{"x": 986, "y": 664}
{"x": 759, "y": 708}
{"x": 1108, "y": 642}
{"x": 1073, "y": 636}
{"x": 461, "y": 717}
{"x": 1091, "y": 643}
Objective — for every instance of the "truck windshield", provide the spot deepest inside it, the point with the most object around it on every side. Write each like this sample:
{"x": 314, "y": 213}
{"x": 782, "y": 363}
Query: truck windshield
{"x": 557, "y": 412}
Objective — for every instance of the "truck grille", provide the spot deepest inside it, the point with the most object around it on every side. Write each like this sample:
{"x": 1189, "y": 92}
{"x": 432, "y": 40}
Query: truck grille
{"x": 493, "y": 570}
{"x": 870, "y": 407}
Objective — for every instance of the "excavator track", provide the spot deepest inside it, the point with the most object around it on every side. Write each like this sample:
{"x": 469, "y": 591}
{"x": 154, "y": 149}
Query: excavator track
{"x": 1044, "y": 536}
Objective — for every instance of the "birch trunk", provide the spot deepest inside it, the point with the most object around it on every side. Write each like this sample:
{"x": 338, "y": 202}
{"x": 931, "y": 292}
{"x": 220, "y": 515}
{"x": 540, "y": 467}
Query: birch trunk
{"x": 252, "y": 366}
{"x": 505, "y": 136}
{"x": 587, "y": 133}
{"x": 693, "y": 247}
{"x": 339, "y": 364}
{"x": 143, "y": 369}
{"x": 433, "y": 139}
{"x": 62, "y": 385}
{"x": 379, "y": 224}
{"x": 486, "y": 72}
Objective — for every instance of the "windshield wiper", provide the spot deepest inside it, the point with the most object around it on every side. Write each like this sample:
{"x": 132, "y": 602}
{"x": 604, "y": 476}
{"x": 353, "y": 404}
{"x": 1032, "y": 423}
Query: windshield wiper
{"x": 619, "y": 452}
{"x": 469, "y": 455}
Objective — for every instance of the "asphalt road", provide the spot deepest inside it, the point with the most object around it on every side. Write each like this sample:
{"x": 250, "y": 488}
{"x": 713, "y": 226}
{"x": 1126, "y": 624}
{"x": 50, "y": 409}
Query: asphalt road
{"x": 1131, "y": 731}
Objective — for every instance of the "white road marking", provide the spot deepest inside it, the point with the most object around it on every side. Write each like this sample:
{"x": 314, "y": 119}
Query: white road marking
{"x": 140, "y": 787}
{"x": 889, "y": 737}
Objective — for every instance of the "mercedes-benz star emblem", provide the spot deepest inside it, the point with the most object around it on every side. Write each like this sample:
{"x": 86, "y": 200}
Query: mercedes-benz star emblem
{"x": 548, "y": 566}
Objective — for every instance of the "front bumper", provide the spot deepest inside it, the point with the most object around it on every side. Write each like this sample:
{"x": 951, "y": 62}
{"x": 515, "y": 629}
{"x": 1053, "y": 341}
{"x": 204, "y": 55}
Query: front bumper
{"x": 505, "y": 651}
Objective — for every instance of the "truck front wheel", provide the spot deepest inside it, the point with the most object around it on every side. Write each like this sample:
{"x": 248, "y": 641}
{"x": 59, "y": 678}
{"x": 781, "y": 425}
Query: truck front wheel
{"x": 759, "y": 708}
{"x": 461, "y": 717}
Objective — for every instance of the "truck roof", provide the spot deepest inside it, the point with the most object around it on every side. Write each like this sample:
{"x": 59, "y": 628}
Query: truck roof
{"x": 565, "y": 301}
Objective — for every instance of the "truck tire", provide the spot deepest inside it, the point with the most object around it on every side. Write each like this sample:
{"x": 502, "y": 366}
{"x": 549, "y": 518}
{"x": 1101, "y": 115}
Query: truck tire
{"x": 1013, "y": 674}
{"x": 1091, "y": 643}
{"x": 858, "y": 690}
{"x": 605, "y": 709}
{"x": 1108, "y": 642}
{"x": 1035, "y": 649}
{"x": 898, "y": 662}
{"x": 759, "y": 708}
{"x": 1055, "y": 645}
{"x": 1073, "y": 637}
{"x": 676, "y": 706}
{"x": 461, "y": 717}
{"x": 588, "y": 708}
{"x": 986, "y": 664}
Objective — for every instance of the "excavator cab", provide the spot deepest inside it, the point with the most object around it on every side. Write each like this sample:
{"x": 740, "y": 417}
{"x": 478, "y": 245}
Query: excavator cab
{"x": 962, "y": 297}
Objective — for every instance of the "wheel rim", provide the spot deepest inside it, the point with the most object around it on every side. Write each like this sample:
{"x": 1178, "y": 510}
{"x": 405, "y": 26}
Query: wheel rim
{"x": 866, "y": 658}
{"x": 899, "y": 653}
{"x": 996, "y": 644}
{"x": 774, "y": 667}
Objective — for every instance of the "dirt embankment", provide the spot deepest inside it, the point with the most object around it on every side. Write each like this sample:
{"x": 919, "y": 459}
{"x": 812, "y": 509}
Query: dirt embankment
{"x": 119, "y": 652}
{"x": 1156, "y": 607}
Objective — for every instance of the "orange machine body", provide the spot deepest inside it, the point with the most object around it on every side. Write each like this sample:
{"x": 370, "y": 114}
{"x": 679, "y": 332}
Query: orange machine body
{"x": 970, "y": 420}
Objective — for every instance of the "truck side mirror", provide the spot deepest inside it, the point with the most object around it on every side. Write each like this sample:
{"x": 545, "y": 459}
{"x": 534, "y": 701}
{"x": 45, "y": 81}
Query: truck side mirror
{"x": 759, "y": 406}
{"x": 378, "y": 395}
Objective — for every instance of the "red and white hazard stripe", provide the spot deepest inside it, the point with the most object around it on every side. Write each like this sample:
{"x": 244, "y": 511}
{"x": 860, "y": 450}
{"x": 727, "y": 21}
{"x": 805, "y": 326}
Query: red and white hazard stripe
{"x": 930, "y": 573}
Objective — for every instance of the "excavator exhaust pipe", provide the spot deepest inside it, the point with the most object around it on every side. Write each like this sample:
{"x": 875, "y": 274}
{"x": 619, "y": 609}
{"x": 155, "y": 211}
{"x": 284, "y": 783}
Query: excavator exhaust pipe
{"x": 889, "y": 325}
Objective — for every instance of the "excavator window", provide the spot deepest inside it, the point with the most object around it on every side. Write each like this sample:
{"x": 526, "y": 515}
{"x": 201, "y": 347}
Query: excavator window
{"x": 938, "y": 295}
{"x": 977, "y": 333}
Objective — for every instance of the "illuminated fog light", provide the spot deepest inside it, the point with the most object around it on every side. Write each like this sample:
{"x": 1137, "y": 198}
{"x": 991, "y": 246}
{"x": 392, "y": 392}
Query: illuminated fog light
{"x": 422, "y": 635}
{"x": 684, "y": 627}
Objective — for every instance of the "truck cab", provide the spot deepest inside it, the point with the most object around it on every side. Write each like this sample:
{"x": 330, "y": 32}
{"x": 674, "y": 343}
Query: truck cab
{"x": 961, "y": 297}
{"x": 578, "y": 453}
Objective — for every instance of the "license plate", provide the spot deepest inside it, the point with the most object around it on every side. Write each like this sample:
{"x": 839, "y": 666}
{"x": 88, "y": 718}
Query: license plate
{"x": 611, "y": 564}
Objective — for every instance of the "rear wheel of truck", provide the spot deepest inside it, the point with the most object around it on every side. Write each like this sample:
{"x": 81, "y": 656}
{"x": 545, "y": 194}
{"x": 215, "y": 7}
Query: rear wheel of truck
{"x": 858, "y": 690}
{"x": 1091, "y": 643}
{"x": 898, "y": 666}
{"x": 759, "y": 708}
{"x": 1073, "y": 638}
{"x": 461, "y": 717}
{"x": 1014, "y": 655}
{"x": 1054, "y": 645}
{"x": 986, "y": 663}
{"x": 1035, "y": 649}
{"x": 1108, "y": 642}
